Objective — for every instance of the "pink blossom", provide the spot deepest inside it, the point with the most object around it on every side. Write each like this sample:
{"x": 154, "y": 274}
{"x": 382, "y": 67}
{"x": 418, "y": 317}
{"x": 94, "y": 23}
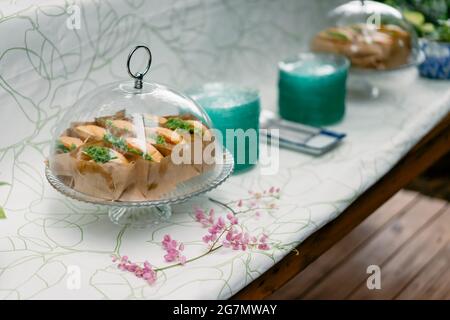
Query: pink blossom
{"x": 262, "y": 244}
{"x": 147, "y": 271}
{"x": 242, "y": 240}
{"x": 236, "y": 240}
{"x": 205, "y": 219}
{"x": 173, "y": 250}
{"x": 272, "y": 189}
{"x": 233, "y": 220}
{"x": 214, "y": 231}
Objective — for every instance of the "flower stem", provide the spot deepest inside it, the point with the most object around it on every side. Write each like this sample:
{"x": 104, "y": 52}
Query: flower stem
{"x": 189, "y": 260}
{"x": 212, "y": 249}
{"x": 223, "y": 205}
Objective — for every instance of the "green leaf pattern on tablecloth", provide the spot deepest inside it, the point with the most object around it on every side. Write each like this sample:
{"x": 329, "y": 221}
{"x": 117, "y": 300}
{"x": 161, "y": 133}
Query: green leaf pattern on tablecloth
{"x": 2, "y": 211}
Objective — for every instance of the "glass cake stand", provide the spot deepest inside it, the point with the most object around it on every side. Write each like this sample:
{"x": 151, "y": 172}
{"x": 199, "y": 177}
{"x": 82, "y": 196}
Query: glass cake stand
{"x": 365, "y": 83}
{"x": 144, "y": 213}
{"x": 380, "y": 43}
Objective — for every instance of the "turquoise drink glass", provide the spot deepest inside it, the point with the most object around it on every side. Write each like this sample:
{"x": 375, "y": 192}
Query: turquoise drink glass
{"x": 233, "y": 107}
{"x": 312, "y": 88}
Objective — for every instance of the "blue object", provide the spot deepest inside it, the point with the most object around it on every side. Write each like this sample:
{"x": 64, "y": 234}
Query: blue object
{"x": 299, "y": 137}
{"x": 437, "y": 60}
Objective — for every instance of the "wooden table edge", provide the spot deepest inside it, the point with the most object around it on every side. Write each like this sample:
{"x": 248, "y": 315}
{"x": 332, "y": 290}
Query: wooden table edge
{"x": 427, "y": 151}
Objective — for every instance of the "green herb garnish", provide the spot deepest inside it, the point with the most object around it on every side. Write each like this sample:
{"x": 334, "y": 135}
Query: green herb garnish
{"x": 135, "y": 151}
{"x": 117, "y": 142}
{"x": 177, "y": 123}
{"x": 160, "y": 140}
{"x": 145, "y": 156}
{"x": 64, "y": 149}
{"x": 99, "y": 154}
{"x": 337, "y": 35}
{"x": 120, "y": 144}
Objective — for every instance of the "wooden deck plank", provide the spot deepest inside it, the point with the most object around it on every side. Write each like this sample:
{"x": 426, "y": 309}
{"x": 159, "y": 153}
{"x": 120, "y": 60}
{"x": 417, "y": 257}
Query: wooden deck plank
{"x": 429, "y": 278}
{"x": 397, "y": 205}
{"x": 398, "y": 271}
{"x": 440, "y": 290}
{"x": 349, "y": 275}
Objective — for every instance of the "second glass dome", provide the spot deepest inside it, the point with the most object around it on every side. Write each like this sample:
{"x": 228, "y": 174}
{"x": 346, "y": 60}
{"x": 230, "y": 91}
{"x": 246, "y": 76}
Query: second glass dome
{"x": 373, "y": 35}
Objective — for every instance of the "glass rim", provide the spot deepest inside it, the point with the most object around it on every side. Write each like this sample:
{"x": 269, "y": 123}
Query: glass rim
{"x": 223, "y": 89}
{"x": 342, "y": 62}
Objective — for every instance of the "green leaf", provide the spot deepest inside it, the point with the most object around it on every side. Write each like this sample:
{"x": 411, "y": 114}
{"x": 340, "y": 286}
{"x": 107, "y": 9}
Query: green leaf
{"x": 2, "y": 183}
{"x": 117, "y": 142}
{"x": 61, "y": 147}
{"x": 427, "y": 28}
{"x": 338, "y": 35}
{"x": 160, "y": 140}
{"x": 177, "y": 123}
{"x": 99, "y": 154}
{"x": 414, "y": 17}
{"x": 2, "y": 213}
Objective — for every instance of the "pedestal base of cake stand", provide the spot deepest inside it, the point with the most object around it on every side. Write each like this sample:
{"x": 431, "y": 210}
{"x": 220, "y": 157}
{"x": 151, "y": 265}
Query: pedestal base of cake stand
{"x": 140, "y": 217}
{"x": 362, "y": 89}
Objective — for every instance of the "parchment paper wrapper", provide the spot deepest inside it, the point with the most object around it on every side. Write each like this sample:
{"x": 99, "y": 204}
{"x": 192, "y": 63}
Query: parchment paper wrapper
{"x": 138, "y": 180}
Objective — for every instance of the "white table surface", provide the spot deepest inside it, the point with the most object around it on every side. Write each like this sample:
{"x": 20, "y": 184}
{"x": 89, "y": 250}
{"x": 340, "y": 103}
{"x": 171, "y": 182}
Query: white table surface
{"x": 46, "y": 239}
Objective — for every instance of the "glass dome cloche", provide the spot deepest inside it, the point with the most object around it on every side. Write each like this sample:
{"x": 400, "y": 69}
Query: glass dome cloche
{"x": 374, "y": 36}
{"x": 136, "y": 147}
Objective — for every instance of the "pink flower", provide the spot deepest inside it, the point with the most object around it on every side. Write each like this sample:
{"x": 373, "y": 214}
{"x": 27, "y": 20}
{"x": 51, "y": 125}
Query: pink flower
{"x": 147, "y": 272}
{"x": 173, "y": 250}
{"x": 200, "y": 214}
{"x": 232, "y": 218}
{"x": 272, "y": 189}
{"x": 262, "y": 244}
{"x": 205, "y": 219}
{"x": 215, "y": 230}
{"x": 236, "y": 240}
{"x": 242, "y": 240}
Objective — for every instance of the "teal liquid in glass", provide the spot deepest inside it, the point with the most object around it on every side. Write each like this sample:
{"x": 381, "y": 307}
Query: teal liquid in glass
{"x": 231, "y": 108}
{"x": 312, "y": 89}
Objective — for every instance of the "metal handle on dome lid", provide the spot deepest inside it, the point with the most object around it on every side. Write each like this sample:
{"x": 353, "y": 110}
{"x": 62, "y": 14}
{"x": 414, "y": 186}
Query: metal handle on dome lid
{"x": 139, "y": 75}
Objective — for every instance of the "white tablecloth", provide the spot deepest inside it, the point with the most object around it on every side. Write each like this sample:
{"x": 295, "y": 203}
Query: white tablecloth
{"x": 47, "y": 240}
